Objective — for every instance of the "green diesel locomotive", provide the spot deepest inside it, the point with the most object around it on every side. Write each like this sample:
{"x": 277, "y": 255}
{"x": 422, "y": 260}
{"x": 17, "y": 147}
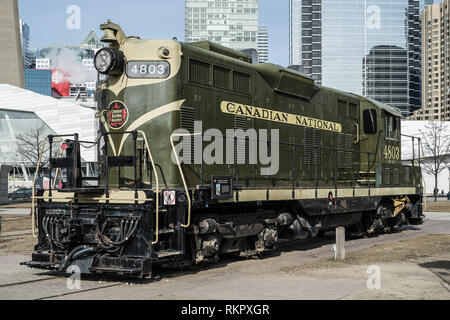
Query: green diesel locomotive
{"x": 296, "y": 160}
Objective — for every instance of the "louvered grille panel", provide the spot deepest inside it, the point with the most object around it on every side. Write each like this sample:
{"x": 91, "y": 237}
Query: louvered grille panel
{"x": 221, "y": 78}
{"x": 341, "y": 154}
{"x": 187, "y": 118}
{"x": 387, "y": 176}
{"x": 240, "y": 123}
{"x": 317, "y": 143}
{"x": 396, "y": 177}
{"x": 348, "y": 155}
{"x": 241, "y": 83}
{"x": 308, "y": 141}
{"x": 199, "y": 72}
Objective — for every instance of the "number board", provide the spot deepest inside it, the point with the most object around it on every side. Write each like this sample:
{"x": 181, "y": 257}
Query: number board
{"x": 148, "y": 69}
{"x": 391, "y": 153}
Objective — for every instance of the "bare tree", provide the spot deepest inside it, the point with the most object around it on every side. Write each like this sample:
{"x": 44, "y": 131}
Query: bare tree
{"x": 437, "y": 150}
{"x": 29, "y": 144}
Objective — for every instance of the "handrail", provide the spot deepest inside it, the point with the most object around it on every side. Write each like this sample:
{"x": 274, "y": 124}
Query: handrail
{"x": 157, "y": 185}
{"x": 181, "y": 172}
{"x": 33, "y": 218}
{"x": 56, "y": 173}
{"x": 41, "y": 153}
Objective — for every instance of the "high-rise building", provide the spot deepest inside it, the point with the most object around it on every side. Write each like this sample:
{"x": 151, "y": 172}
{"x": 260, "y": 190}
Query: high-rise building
{"x": 385, "y": 76}
{"x": 39, "y": 81}
{"x": 435, "y": 63}
{"x": 25, "y": 37}
{"x": 11, "y": 62}
{"x": 42, "y": 64}
{"x": 232, "y": 23}
{"x": 331, "y": 38}
{"x": 263, "y": 44}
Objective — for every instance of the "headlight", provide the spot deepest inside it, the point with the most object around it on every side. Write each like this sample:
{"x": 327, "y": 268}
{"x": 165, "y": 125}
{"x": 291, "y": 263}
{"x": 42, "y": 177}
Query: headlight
{"x": 109, "y": 61}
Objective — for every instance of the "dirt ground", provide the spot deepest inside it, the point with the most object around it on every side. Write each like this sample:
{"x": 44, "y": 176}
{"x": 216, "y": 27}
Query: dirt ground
{"x": 413, "y": 264}
{"x": 440, "y": 206}
{"x": 16, "y": 235}
{"x": 20, "y": 205}
{"x": 410, "y": 250}
{"x": 417, "y": 268}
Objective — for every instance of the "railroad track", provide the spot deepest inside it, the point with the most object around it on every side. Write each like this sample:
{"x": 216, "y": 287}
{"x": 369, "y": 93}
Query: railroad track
{"x": 55, "y": 277}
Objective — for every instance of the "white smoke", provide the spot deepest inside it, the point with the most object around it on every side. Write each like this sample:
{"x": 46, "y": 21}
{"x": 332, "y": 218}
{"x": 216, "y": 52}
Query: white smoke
{"x": 69, "y": 62}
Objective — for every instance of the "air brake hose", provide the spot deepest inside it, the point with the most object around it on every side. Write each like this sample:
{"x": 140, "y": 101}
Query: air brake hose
{"x": 69, "y": 257}
{"x": 133, "y": 227}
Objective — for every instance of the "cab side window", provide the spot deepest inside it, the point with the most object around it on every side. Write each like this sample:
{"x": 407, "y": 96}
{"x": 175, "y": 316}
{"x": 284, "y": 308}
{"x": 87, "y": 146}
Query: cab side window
{"x": 370, "y": 121}
{"x": 392, "y": 127}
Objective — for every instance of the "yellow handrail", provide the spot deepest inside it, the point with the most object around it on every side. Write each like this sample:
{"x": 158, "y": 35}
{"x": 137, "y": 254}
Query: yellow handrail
{"x": 157, "y": 186}
{"x": 181, "y": 172}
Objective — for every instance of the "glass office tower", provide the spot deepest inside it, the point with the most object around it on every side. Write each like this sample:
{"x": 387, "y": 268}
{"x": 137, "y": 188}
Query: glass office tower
{"x": 385, "y": 76}
{"x": 231, "y": 23}
{"x": 331, "y": 39}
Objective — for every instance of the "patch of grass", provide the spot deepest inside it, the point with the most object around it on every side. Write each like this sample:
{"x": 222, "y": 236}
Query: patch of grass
{"x": 410, "y": 249}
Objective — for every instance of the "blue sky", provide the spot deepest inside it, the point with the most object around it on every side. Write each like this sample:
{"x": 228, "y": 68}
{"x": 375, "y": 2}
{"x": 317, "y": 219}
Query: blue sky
{"x": 150, "y": 19}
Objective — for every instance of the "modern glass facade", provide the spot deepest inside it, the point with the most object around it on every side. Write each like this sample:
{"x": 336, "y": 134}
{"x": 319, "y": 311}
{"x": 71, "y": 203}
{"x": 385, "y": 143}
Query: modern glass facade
{"x": 332, "y": 38}
{"x": 39, "y": 81}
{"x": 263, "y": 45}
{"x": 26, "y": 53}
{"x": 385, "y": 76}
{"x": 12, "y": 124}
{"x": 231, "y": 23}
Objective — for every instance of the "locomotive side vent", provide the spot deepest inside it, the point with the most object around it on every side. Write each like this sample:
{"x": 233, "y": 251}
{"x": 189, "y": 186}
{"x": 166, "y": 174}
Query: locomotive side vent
{"x": 199, "y": 72}
{"x": 387, "y": 176}
{"x": 396, "y": 176}
{"x": 187, "y": 118}
{"x": 341, "y": 154}
{"x": 242, "y": 83}
{"x": 221, "y": 78}
{"x": 345, "y": 160}
{"x": 406, "y": 174}
{"x": 240, "y": 123}
{"x": 308, "y": 146}
{"x": 348, "y": 155}
{"x": 317, "y": 143}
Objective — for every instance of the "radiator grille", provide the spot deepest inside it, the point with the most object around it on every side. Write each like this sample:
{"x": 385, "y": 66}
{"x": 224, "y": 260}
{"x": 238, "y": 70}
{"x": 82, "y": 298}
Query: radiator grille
{"x": 345, "y": 158}
{"x": 187, "y": 119}
{"x": 396, "y": 176}
{"x": 240, "y": 123}
{"x": 199, "y": 72}
{"x": 241, "y": 83}
{"x": 308, "y": 141}
{"x": 387, "y": 176}
{"x": 221, "y": 78}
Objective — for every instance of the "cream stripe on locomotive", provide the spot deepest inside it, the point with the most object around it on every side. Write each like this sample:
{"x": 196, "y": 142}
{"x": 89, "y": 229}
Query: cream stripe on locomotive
{"x": 307, "y": 194}
{"x": 171, "y": 107}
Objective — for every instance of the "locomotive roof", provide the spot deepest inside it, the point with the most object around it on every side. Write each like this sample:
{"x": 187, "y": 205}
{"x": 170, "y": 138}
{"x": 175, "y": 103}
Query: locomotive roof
{"x": 385, "y": 107}
{"x": 272, "y": 72}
